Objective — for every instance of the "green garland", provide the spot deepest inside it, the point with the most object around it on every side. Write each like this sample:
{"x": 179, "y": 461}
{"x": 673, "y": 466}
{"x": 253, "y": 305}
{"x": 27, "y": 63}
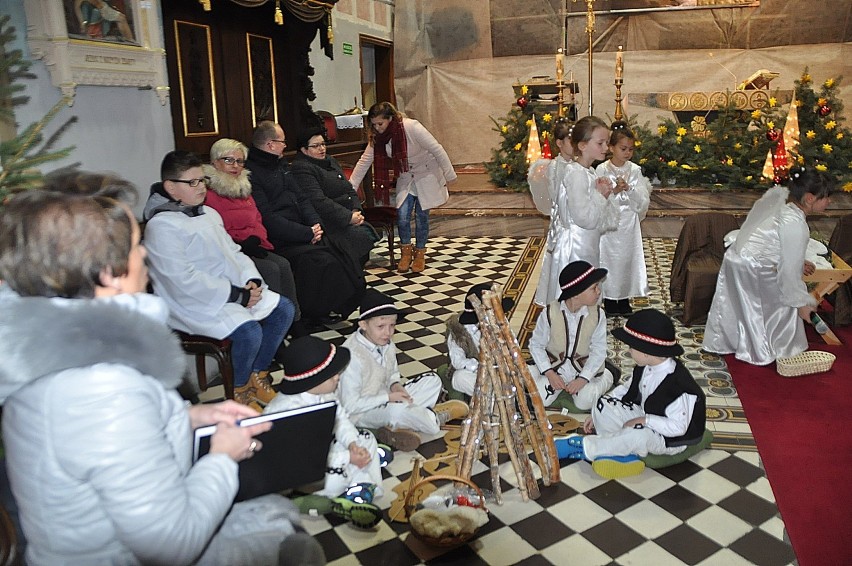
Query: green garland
{"x": 730, "y": 154}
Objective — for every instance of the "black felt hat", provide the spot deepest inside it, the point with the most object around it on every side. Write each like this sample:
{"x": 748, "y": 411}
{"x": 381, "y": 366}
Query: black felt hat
{"x": 578, "y": 276}
{"x": 309, "y": 361}
{"x": 651, "y": 332}
{"x": 375, "y": 303}
{"x": 468, "y": 316}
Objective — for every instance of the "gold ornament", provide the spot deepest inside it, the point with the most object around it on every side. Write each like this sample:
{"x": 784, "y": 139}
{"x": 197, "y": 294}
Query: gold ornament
{"x": 279, "y": 15}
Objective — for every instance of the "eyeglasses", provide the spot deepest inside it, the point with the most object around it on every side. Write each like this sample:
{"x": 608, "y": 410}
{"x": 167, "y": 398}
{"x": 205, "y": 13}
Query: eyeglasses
{"x": 232, "y": 160}
{"x": 191, "y": 182}
{"x": 279, "y": 141}
{"x": 317, "y": 145}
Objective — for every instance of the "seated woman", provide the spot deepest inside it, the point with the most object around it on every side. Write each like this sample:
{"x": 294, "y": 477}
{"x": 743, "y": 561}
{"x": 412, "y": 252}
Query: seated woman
{"x": 230, "y": 195}
{"x": 98, "y": 442}
{"x": 210, "y": 286}
{"x": 335, "y": 200}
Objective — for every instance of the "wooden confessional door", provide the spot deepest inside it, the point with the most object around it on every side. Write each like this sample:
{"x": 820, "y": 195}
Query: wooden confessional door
{"x": 226, "y": 70}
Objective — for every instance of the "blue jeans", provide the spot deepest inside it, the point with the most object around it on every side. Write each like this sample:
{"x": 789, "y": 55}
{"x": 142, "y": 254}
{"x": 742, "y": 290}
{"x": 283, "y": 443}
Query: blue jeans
{"x": 254, "y": 343}
{"x": 421, "y": 222}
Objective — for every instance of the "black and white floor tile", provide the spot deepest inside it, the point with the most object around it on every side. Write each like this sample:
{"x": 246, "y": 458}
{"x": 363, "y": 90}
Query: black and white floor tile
{"x": 716, "y": 508}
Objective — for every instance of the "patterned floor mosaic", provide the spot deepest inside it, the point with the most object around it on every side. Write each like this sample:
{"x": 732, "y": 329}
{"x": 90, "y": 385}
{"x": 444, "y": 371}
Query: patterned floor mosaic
{"x": 716, "y": 508}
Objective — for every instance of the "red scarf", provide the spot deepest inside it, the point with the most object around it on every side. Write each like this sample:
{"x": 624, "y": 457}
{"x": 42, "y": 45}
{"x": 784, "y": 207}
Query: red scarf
{"x": 395, "y": 134}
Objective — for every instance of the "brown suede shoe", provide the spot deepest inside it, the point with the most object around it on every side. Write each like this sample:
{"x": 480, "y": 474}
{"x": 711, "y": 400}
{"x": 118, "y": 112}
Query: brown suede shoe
{"x": 419, "y": 263}
{"x": 398, "y": 438}
{"x": 451, "y": 411}
{"x": 405, "y": 261}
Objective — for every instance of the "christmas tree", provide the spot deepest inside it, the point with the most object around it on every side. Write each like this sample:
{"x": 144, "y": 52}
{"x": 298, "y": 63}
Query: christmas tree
{"x": 508, "y": 167}
{"x": 20, "y": 155}
{"x": 727, "y": 152}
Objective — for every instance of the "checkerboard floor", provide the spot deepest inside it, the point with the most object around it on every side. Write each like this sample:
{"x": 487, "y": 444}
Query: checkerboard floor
{"x": 716, "y": 508}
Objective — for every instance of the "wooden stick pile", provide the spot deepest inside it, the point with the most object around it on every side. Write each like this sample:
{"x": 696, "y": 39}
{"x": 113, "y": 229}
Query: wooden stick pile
{"x": 501, "y": 404}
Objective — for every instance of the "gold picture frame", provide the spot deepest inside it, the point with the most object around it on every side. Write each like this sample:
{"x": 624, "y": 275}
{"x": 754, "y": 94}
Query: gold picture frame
{"x": 126, "y": 51}
{"x": 196, "y": 79}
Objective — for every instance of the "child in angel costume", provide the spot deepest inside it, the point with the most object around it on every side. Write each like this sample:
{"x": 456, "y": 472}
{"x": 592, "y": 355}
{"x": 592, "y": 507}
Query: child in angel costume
{"x": 580, "y": 209}
{"x": 761, "y": 300}
{"x": 621, "y": 249}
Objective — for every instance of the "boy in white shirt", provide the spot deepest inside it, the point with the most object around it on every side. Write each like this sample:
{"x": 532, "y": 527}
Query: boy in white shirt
{"x": 372, "y": 390}
{"x": 568, "y": 344}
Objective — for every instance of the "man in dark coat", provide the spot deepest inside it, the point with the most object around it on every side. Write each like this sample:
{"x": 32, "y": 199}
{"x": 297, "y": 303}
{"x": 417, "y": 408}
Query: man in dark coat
{"x": 331, "y": 280}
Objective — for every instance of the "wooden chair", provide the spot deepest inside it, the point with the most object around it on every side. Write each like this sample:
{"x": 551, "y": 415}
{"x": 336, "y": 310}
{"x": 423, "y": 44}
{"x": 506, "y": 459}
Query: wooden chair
{"x": 382, "y": 218}
{"x": 219, "y": 350}
{"x": 9, "y": 551}
{"x": 841, "y": 244}
{"x": 697, "y": 261}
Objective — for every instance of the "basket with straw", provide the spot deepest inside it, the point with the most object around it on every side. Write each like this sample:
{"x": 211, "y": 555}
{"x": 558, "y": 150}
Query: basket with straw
{"x": 445, "y": 527}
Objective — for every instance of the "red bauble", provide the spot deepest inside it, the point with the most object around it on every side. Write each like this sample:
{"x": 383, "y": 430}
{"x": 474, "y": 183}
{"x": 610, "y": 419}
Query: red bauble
{"x": 522, "y": 102}
{"x": 773, "y": 135}
{"x": 824, "y": 110}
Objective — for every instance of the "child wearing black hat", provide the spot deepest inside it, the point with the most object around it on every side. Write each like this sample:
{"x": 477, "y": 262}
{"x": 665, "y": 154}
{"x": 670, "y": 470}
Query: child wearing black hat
{"x": 372, "y": 389}
{"x": 568, "y": 344}
{"x": 659, "y": 410}
{"x": 312, "y": 369}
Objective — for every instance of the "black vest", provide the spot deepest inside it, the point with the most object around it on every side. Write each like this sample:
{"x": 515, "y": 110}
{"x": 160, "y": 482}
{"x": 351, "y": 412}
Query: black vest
{"x": 673, "y": 386}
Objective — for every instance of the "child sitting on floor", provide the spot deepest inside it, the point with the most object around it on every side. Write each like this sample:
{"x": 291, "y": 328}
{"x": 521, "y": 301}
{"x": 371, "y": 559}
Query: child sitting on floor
{"x": 659, "y": 410}
{"x": 353, "y": 476}
{"x": 371, "y": 387}
{"x": 568, "y": 344}
{"x": 463, "y": 336}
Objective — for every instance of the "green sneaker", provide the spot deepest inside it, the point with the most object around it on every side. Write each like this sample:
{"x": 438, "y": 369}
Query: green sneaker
{"x": 361, "y": 515}
{"x": 314, "y": 505}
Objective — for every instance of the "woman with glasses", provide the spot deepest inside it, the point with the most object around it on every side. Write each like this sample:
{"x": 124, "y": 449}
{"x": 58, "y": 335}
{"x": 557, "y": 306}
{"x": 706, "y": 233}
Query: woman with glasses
{"x": 230, "y": 195}
{"x": 321, "y": 178}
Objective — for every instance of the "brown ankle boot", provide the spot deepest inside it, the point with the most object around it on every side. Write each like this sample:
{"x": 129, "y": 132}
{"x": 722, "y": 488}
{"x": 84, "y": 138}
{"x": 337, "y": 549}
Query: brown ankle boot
{"x": 405, "y": 261}
{"x": 419, "y": 263}
{"x": 245, "y": 396}
{"x": 263, "y": 393}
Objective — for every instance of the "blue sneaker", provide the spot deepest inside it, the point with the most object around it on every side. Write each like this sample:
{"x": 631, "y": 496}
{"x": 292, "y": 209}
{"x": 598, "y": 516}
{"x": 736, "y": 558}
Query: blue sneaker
{"x": 571, "y": 447}
{"x": 359, "y": 493}
{"x": 617, "y": 467}
{"x": 385, "y": 453}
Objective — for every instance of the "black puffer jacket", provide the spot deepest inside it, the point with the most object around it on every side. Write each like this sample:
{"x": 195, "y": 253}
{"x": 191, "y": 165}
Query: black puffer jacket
{"x": 287, "y": 212}
{"x": 330, "y": 192}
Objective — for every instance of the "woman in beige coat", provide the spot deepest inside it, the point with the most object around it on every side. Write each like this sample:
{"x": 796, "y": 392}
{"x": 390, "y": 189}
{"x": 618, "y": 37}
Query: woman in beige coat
{"x": 409, "y": 158}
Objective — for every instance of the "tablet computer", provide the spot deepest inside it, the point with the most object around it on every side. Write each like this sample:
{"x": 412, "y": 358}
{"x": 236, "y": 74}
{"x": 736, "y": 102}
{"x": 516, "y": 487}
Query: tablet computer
{"x": 294, "y": 451}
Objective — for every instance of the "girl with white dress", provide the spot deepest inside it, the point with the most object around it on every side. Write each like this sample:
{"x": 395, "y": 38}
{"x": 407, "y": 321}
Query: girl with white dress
{"x": 621, "y": 250}
{"x": 761, "y": 299}
{"x": 580, "y": 211}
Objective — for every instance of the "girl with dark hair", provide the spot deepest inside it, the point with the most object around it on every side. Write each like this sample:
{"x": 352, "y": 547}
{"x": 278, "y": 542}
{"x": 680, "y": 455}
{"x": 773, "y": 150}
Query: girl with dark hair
{"x": 761, "y": 300}
{"x": 621, "y": 249}
{"x": 409, "y": 158}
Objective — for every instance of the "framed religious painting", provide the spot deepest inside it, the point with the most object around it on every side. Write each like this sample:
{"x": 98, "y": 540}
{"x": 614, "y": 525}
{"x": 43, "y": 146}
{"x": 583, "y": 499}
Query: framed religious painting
{"x": 99, "y": 42}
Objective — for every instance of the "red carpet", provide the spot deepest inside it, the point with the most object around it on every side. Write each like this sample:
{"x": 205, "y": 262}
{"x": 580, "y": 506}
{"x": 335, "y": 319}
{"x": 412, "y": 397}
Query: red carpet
{"x": 803, "y": 430}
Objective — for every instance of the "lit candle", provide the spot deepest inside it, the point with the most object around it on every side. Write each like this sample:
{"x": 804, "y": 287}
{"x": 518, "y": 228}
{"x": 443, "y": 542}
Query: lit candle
{"x": 619, "y": 64}
{"x": 560, "y": 65}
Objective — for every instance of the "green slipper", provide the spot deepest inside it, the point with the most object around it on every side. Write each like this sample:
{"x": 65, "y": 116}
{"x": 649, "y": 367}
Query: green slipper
{"x": 362, "y": 515}
{"x": 314, "y": 505}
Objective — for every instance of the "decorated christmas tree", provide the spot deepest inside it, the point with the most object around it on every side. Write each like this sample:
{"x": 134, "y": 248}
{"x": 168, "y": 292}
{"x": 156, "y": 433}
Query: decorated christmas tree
{"x": 508, "y": 167}
{"x": 727, "y": 152}
{"x": 23, "y": 153}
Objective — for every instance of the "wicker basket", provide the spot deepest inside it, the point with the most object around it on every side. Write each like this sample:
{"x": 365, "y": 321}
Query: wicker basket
{"x": 806, "y": 363}
{"x": 410, "y": 504}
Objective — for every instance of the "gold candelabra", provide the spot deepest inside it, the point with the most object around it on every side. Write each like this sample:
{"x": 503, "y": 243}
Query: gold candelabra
{"x": 619, "y": 81}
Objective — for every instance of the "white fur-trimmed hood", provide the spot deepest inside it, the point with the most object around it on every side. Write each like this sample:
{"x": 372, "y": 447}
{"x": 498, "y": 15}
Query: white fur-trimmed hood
{"x": 40, "y": 336}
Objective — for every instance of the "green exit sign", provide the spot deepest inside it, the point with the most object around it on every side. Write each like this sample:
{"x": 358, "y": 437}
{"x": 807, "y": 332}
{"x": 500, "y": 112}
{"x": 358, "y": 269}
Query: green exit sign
{"x": 347, "y": 49}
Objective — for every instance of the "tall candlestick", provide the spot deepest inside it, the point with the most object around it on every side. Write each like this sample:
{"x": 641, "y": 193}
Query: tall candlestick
{"x": 560, "y": 64}
{"x": 619, "y": 63}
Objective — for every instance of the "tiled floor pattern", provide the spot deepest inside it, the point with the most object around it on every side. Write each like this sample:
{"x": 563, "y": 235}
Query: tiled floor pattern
{"x": 716, "y": 508}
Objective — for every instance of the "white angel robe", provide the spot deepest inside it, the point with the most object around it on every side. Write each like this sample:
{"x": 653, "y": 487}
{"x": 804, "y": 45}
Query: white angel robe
{"x": 578, "y": 217}
{"x": 621, "y": 249}
{"x": 754, "y": 314}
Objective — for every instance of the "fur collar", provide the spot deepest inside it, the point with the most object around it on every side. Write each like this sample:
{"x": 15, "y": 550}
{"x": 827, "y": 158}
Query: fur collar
{"x": 40, "y": 336}
{"x": 228, "y": 186}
